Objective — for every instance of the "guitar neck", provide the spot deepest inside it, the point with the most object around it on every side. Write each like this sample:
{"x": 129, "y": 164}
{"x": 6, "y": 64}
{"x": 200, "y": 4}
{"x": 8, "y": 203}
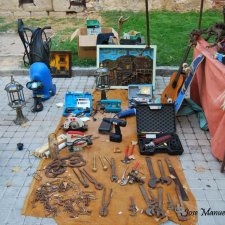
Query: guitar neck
{"x": 182, "y": 62}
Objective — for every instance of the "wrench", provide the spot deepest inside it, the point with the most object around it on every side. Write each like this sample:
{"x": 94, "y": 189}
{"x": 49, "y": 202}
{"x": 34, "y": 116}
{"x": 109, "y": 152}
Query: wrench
{"x": 150, "y": 210}
{"x": 160, "y": 213}
{"x": 153, "y": 180}
{"x": 180, "y": 208}
{"x": 114, "y": 177}
{"x": 132, "y": 207}
{"x": 164, "y": 179}
{"x": 154, "y": 201}
{"x": 124, "y": 180}
{"x": 170, "y": 204}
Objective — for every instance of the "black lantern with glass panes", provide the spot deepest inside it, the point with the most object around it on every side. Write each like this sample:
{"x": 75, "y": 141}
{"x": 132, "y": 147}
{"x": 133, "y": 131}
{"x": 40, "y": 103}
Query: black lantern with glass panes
{"x": 16, "y": 100}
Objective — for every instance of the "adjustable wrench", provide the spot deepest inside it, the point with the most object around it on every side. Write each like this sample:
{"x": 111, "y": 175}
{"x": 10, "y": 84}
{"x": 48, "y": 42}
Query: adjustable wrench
{"x": 164, "y": 179}
{"x": 160, "y": 213}
{"x": 180, "y": 208}
{"x": 153, "y": 179}
{"x": 150, "y": 210}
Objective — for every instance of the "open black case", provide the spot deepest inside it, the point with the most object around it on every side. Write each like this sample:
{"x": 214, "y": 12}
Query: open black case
{"x": 154, "y": 121}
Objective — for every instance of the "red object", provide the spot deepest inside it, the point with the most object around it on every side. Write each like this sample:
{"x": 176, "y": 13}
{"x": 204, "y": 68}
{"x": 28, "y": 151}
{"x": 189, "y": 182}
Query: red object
{"x": 76, "y": 132}
{"x": 136, "y": 165}
{"x": 162, "y": 139}
{"x": 126, "y": 151}
{"x": 208, "y": 90}
{"x": 131, "y": 150}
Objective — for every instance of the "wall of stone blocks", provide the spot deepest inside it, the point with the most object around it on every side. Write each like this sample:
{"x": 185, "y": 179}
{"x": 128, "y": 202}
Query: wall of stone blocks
{"x": 61, "y": 7}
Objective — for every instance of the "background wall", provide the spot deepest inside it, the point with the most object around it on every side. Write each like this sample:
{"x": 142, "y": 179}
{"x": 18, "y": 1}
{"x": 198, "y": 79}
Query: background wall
{"x": 61, "y": 7}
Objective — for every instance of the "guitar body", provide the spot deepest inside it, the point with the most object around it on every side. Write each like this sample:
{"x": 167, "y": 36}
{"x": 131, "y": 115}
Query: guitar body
{"x": 170, "y": 93}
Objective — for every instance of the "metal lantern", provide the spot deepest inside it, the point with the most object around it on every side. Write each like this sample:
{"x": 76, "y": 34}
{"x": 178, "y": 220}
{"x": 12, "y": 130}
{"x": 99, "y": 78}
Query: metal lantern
{"x": 102, "y": 80}
{"x": 16, "y": 100}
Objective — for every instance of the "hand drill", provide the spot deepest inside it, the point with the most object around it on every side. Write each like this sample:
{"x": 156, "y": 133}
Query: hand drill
{"x": 117, "y": 136}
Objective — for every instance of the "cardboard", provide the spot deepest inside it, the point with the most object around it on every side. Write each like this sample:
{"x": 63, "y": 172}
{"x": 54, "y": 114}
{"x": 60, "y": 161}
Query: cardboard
{"x": 86, "y": 44}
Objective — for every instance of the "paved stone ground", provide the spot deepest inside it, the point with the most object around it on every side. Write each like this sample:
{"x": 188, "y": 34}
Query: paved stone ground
{"x": 208, "y": 185}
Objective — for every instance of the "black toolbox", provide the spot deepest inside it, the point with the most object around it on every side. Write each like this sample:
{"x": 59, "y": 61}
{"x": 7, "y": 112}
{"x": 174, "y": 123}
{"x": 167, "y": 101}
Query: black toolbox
{"x": 154, "y": 121}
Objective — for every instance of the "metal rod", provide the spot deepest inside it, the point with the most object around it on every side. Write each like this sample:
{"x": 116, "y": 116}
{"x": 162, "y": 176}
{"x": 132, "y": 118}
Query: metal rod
{"x": 147, "y": 24}
{"x": 200, "y": 15}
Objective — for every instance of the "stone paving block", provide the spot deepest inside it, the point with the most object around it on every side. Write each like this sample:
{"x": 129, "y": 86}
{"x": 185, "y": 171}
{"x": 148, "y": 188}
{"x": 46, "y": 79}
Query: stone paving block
{"x": 7, "y": 203}
{"x": 13, "y": 162}
{"x": 48, "y": 221}
{"x": 29, "y": 220}
{"x": 220, "y": 184}
{"x": 189, "y": 136}
{"x": 192, "y": 142}
{"x": 192, "y": 174}
{"x": 7, "y": 172}
{"x": 19, "y": 134}
{"x": 15, "y": 217}
{"x": 214, "y": 165}
{"x": 188, "y": 164}
{"x": 197, "y": 156}
{"x": 209, "y": 157}
{"x": 9, "y": 134}
{"x": 199, "y": 194}
{"x": 23, "y": 192}
{"x": 4, "y": 140}
{"x": 206, "y": 149}
{"x": 217, "y": 206}
{"x": 4, "y": 214}
{"x": 185, "y": 157}
{"x": 204, "y": 142}
{"x": 12, "y": 192}
{"x": 218, "y": 175}
{"x": 18, "y": 154}
{"x": 28, "y": 181}
{"x": 18, "y": 204}
{"x": 15, "y": 140}
{"x": 3, "y": 162}
{"x": 206, "y": 174}
{"x": 209, "y": 184}
{"x": 213, "y": 195}
{"x": 18, "y": 181}
{"x": 195, "y": 183}
{"x": 201, "y": 165}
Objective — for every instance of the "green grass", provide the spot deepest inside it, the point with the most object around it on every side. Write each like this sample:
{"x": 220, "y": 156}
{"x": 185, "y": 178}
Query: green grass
{"x": 168, "y": 30}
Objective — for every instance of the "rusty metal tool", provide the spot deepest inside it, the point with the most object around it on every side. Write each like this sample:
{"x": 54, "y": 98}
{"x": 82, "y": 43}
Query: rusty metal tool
{"x": 170, "y": 204}
{"x": 94, "y": 168}
{"x": 176, "y": 180}
{"x": 126, "y": 159}
{"x": 124, "y": 179}
{"x": 104, "y": 167}
{"x": 98, "y": 186}
{"x": 180, "y": 208}
{"x": 160, "y": 213}
{"x": 81, "y": 178}
{"x": 133, "y": 175}
{"x": 104, "y": 208}
{"x": 114, "y": 177}
{"x": 153, "y": 179}
{"x": 150, "y": 210}
{"x": 132, "y": 207}
{"x": 154, "y": 201}
{"x": 163, "y": 179}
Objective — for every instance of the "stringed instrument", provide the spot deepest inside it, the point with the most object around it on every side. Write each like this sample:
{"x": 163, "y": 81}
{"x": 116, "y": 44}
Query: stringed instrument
{"x": 176, "y": 81}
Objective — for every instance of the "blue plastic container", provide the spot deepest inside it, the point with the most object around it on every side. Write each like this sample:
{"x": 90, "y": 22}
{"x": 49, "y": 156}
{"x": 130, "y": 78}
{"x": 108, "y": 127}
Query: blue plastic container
{"x": 40, "y": 72}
